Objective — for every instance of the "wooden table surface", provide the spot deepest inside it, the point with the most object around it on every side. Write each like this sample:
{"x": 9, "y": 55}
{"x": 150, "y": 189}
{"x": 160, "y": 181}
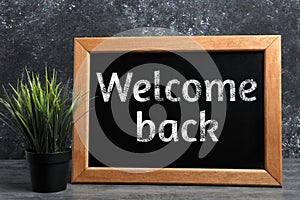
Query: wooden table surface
{"x": 15, "y": 184}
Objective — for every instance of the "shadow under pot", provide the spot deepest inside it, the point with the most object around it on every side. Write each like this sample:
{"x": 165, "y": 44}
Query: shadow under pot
{"x": 49, "y": 171}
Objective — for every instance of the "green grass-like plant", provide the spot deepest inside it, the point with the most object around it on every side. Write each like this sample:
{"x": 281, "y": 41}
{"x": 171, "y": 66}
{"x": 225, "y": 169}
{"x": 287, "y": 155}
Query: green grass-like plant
{"x": 43, "y": 114}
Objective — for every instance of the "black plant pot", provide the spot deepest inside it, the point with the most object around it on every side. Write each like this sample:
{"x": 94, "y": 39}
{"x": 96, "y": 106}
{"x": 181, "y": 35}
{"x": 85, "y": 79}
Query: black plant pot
{"x": 49, "y": 172}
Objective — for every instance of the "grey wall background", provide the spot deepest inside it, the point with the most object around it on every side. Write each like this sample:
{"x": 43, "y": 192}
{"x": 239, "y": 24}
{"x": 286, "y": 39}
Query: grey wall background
{"x": 37, "y": 33}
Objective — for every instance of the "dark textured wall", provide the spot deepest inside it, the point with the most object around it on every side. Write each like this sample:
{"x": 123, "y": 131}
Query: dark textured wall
{"x": 40, "y": 33}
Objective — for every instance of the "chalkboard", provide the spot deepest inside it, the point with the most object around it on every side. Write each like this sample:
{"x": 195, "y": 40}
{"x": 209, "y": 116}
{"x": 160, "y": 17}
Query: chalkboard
{"x": 220, "y": 104}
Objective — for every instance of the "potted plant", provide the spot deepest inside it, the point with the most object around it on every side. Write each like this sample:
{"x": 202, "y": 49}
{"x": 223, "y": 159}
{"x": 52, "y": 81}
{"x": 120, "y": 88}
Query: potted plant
{"x": 42, "y": 113}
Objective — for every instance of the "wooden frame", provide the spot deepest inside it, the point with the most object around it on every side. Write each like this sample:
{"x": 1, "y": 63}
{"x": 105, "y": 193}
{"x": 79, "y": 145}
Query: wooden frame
{"x": 270, "y": 176}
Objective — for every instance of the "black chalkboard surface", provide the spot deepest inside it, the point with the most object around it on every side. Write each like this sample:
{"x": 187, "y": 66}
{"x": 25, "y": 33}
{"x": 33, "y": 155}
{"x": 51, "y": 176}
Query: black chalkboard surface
{"x": 241, "y": 144}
